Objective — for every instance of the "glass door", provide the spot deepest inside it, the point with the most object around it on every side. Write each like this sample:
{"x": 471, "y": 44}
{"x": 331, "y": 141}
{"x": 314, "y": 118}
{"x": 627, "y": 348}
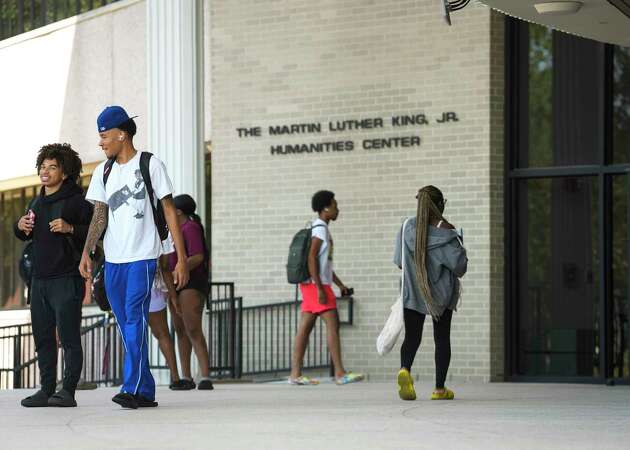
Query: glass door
{"x": 620, "y": 278}
{"x": 558, "y": 282}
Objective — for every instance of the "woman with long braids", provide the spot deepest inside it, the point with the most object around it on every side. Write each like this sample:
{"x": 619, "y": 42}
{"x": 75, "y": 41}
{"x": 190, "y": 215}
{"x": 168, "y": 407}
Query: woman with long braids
{"x": 434, "y": 261}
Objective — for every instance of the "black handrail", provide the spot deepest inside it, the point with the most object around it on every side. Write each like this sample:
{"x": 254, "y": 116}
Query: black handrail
{"x": 16, "y": 340}
{"x": 269, "y": 333}
{"x": 242, "y": 340}
{"x": 258, "y": 339}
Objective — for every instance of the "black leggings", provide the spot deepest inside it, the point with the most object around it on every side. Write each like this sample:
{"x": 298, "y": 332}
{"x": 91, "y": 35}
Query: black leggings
{"x": 414, "y": 322}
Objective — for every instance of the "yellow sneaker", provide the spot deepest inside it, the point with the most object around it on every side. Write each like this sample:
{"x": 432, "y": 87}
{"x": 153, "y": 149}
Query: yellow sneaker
{"x": 405, "y": 385}
{"x": 447, "y": 394}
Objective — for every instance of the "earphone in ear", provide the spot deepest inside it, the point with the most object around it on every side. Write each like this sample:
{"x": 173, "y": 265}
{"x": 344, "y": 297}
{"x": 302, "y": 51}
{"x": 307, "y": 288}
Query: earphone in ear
{"x": 325, "y": 209}
{"x": 121, "y": 137}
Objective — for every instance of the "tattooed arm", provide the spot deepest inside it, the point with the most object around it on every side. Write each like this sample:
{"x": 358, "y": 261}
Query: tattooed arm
{"x": 97, "y": 226}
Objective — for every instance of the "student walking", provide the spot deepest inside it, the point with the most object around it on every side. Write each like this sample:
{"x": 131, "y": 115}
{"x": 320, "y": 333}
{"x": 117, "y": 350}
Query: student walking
{"x": 128, "y": 191}
{"x": 191, "y": 297}
{"x": 434, "y": 260}
{"x": 57, "y": 222}
{"x": 163, "y": 292}
{"x": 318, "y": 298}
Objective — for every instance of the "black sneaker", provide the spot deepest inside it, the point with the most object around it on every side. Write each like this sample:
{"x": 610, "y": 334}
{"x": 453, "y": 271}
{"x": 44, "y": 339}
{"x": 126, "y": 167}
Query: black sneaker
{"x": 205, "y": 385}
{"x": 182, "y": 385}
{"x": 125, "y": 400}
{"x": 190, "y": 384}
{"x": 38, "y": 400}
{"x": 63, "y": 399}
{"x": 144, "y": 402}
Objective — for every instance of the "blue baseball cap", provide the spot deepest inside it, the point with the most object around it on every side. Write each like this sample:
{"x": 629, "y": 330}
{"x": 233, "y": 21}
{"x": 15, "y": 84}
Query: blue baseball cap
{"x": 112, "y": 117}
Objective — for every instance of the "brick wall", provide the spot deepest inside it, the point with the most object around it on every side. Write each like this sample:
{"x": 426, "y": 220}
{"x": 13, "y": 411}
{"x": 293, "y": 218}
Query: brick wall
{"x": 287, "y": 62}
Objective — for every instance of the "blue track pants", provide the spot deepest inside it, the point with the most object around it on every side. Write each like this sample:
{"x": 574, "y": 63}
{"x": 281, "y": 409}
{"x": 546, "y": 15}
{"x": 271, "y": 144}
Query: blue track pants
{"x": 128, "y": 288}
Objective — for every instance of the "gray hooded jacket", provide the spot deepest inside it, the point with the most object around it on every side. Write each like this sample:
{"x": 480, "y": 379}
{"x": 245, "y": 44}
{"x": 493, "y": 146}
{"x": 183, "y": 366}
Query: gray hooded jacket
{"x": 446, "y": 262}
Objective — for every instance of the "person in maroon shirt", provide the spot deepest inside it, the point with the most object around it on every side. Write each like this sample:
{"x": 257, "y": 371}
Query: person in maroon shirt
{"x": 192, "y": 296}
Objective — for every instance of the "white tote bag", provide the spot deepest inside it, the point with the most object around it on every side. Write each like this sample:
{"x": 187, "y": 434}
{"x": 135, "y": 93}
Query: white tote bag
{"x": 395, "y": 322}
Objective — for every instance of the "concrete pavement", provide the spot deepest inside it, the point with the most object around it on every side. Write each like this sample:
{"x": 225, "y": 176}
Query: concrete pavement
{"x": 362, "y": 416}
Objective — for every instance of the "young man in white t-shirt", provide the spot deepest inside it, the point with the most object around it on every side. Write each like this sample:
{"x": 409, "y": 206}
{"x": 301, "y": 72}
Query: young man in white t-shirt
{"x": 132, "y": 245}
{"x": 318, "y": 298}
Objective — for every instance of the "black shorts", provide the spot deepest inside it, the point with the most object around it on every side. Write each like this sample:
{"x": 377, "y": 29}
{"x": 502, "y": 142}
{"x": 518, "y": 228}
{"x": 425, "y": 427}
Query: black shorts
{"x": 199, "y": 284}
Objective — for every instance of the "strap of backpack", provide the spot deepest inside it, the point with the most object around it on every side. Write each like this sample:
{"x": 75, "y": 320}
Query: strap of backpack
{"x": 145, "y": 158}
{"x": 320, "y": 225}
{"x": 107, "y": 170}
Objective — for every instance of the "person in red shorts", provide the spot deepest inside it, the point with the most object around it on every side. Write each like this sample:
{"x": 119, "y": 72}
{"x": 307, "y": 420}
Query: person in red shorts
{"x": 318, "y": 298}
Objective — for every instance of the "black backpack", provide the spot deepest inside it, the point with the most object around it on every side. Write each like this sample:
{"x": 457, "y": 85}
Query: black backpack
{"x": 297, "y": 263}
{"x": 97, "y": 289}
{"x": 156, "y": 205}
{"x": 26, "y": 264}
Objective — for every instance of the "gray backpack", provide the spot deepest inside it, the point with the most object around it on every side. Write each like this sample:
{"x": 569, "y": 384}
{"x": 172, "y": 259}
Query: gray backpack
{"x": 297, "y": 263}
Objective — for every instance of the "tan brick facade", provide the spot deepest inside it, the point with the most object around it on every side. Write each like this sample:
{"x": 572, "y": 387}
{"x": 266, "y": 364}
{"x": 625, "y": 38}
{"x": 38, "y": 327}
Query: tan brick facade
{"x": 282, "y": 63}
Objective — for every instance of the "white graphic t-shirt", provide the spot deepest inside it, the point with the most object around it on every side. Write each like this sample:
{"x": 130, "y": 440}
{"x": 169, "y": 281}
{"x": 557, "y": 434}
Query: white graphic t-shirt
{"x": 325, "y": 256}
{"x": 131, "y": 233}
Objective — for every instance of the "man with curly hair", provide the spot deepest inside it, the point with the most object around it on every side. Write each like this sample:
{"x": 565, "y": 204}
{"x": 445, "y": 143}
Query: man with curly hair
{"x": 57, "y": 222}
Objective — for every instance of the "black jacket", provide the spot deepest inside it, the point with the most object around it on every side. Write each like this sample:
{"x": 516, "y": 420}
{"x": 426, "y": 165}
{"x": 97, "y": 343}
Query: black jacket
{"x": 55, "y": 254}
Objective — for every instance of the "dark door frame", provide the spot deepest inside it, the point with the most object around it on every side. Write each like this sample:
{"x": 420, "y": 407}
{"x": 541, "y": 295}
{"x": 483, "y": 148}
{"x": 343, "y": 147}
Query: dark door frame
{"x": 512, "y": 174}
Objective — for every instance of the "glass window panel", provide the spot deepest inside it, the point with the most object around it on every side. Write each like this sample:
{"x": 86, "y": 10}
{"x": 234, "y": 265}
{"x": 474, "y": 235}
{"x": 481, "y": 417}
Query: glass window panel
{"x": 563, "y": 99}
{"x": 558, "y": 277}
{"x": 621, "y": 105}
{"x": 620, "y": 299}
{"x": 540, "y": 82}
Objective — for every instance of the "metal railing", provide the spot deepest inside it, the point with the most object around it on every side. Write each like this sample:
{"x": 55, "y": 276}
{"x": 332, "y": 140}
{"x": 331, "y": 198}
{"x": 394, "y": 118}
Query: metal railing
{"x": 102, "y": 362}
{"x": 258, "y": 339}
{"x": 19, "y": 16}
{"x": 269, "y": 332}
{"x": 224, "y": 331}
{"x": 249, "y": 340}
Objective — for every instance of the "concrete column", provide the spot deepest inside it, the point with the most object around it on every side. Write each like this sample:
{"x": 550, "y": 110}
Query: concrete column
{"x": 175, "y": 70}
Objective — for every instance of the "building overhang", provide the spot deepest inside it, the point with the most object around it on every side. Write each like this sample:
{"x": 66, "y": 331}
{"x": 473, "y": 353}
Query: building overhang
{"x": 601, "y": 20}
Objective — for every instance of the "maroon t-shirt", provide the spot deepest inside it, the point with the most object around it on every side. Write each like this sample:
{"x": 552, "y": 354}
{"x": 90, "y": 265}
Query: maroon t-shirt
{"x": 193, "y": 239}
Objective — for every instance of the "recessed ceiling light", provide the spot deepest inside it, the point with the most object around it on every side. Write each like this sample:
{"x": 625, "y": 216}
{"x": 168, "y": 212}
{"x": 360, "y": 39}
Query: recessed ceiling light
{"x": 557, "y": 8}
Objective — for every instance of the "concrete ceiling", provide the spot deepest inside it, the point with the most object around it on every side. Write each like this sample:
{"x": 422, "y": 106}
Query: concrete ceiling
{"x": 597, "y": 19}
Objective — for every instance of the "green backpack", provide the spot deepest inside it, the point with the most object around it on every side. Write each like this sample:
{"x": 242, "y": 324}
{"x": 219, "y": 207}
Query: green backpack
{"x": 297, "y": 263}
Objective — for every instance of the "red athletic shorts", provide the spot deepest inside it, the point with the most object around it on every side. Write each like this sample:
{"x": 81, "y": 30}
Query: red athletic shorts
{"x": 310, "y": 303}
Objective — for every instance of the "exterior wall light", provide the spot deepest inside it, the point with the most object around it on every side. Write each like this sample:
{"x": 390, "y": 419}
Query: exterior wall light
{"x": 557, "y": 8}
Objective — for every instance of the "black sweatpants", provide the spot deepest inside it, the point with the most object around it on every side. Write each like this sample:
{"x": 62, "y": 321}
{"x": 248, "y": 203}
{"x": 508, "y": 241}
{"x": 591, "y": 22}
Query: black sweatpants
{"x": 56, "y": 304}
{"x": 414, "y": 323}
